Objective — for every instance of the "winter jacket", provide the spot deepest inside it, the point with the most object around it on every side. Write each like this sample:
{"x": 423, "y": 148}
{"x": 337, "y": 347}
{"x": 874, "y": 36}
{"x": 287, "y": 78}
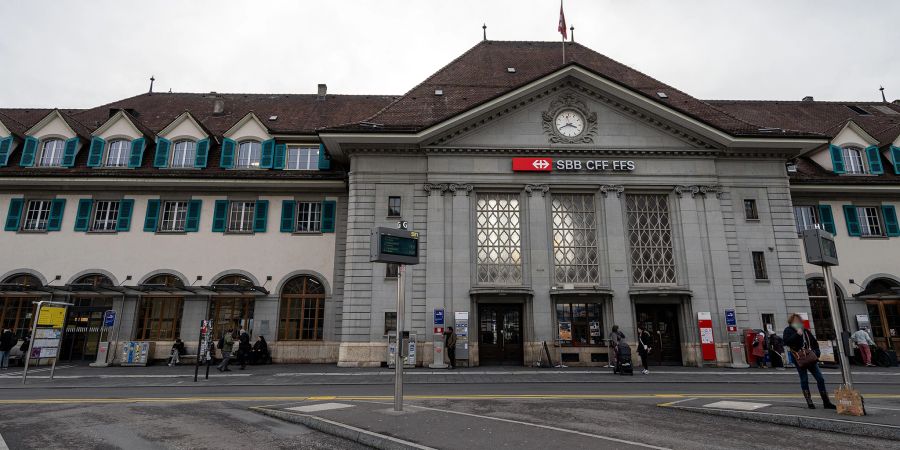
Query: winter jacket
{"x": 643, "y": 343}
{"x": 450, "y": 340}
{"x": 7, "y": 341}
{"x": 794, "y": 340}
{"x": 227, "y": 343}
{"x": 244, "y": 342}
{"x": 759, "y": 346}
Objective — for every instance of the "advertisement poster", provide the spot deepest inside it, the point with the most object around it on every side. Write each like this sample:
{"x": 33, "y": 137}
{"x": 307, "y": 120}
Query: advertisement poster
{"x": 565, "y": 331}
{"x": 707, "y": 344}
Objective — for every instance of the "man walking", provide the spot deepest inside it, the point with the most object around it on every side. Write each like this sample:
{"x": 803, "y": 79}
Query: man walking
{"x": 450, "y": 345}
{"x": 863, "y": 342}
{"x": 7, "y": 342}
{"x": 226, "y": 344}
{"x": 244, "y": 348}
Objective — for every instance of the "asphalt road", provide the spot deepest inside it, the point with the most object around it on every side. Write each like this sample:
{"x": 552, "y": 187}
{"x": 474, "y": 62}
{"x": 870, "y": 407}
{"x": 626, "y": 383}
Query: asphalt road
{"x": 218, "y": 416}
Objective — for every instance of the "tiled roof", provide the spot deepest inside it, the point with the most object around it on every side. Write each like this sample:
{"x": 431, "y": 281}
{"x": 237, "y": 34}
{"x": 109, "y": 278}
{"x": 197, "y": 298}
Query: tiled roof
{"x": 808, "y": 172}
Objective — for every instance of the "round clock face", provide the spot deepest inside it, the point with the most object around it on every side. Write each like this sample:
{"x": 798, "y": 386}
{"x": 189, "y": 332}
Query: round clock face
{"x": 569, "y": 123}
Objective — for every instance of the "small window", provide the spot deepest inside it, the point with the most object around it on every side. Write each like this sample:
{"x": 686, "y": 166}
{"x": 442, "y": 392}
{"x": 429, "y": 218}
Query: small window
{"x": 52, "y": 152}
{"x": 174, "y": 215}
{"x": 184, "y": 154}
{"x": 869, "y": 221}
{"x": 240, "y": 217}
{"x": 390, "y": 322}
{"x": 302, "y": 158}
{"x": 807, "y": 218}
{"x": 750, "y": 212}
{"x": 853, "y": 160}
{"x": 36, "y": 215}
{"x": 309, "y": 217}
{"x": 118, "y": 154}
{"x": 759, "y": 266}
{"x": 249, "y": 155}
{"x": 391, "y": 270}
{"x": 394, "y": 206}
{"x": 106, "y": 216}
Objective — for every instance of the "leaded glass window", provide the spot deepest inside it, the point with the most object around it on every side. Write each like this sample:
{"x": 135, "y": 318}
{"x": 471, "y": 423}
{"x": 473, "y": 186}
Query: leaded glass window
{"x": 498, "y": 239}
{"x": 575, "y": 257}
{"x": 650, "y": 238}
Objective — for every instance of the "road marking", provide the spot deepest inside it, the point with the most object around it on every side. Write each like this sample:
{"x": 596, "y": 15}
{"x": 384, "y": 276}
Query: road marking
{"x": 546, "y": 427}
{"x": 3, "y": 445}
{"x": 320, "y": 407}
{"x": 18, "y": 373}
{"x": 553, "y": 372}
{"x": 676, "y": 402}
{"x": 740, "y": 406}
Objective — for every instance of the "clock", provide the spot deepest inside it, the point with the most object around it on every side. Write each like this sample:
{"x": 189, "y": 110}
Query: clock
{"x": 569, "y": 123}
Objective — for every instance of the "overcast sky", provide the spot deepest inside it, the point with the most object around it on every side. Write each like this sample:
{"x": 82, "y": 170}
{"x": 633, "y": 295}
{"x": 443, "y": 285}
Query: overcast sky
{"x": 76, "y": 54}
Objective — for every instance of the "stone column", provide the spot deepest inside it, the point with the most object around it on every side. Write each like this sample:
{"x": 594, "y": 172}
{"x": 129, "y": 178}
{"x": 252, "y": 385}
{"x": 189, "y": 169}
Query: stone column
{"x": 537, "y": 243}
{"x": 617, "y": 248}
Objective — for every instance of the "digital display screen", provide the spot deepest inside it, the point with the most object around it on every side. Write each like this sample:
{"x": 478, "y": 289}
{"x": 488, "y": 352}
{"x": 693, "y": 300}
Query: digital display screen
{"x": 401, "y": 246}
{"x": 829, "y": 249}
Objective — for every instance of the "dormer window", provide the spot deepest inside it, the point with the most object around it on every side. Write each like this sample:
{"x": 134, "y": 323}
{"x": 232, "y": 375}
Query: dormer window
{"x": 183, "y": 154}
{"x": 52, "y": 153}
{"x": 119, "y": 153}
{"x": 302, "y": 158}
{"x": 249, "y": 153}
{"x": 853, "y": 160}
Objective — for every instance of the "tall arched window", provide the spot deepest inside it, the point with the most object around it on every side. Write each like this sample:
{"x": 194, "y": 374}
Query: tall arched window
{"x": 52, "y": 153}
{"x": 231, "y": 309}
{"x": 302, "y": 311}
{"x": 853, "y": 160}
{"x": 159, "y": 314}
{"x": 16, "y": 309}
{"x": 249, "y": 155}
{"x": 821, "y": 312}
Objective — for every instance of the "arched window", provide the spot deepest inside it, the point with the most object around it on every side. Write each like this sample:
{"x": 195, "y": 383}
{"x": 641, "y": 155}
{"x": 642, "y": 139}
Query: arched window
{"x": 302, "y": 311}
{"x": 853, "y": 160}
{"x": 16, "y": 309}
{"x": 184, "y": 154}
{"x": 883, "y": 305}
{"x": 95, "y": 280}
{"x": 165, "y": 279}
{"x": 248, "y": 155}
{"x": 234, "y": 280}
{"x": 232, "y": 310}
{"x": 821, "y": 311}
{"x": 52, "y": 153}
{"x": 159, "y": 315}
{"x": 119, "y": 153}
{"x": 24, "y": 280}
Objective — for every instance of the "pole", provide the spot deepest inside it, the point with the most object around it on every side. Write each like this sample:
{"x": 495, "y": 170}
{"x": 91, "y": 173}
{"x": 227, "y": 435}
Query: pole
{"x": 564, "y": 49}
{"x": 61, "y": 334}
{"x": 838, "y": 327}
{"x": 31, "y": 341}
{"x": 398, "y": 358}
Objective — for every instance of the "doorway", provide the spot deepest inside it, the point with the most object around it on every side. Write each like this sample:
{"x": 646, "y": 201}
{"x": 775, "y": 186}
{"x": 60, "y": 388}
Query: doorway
{"x": 661, "y": 321}
{"x": 500, "y": 334}
{"x": 82, "y": 333}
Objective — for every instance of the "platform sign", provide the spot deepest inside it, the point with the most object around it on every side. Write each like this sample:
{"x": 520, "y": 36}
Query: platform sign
{"x": 438, "y": 316}
{"x": 52, "y": 316}
{"x": 109, "y": 318}
{"x": 390, "y": 245}
{"x": 707, "y": 343}
{"x": 731, "y": 320}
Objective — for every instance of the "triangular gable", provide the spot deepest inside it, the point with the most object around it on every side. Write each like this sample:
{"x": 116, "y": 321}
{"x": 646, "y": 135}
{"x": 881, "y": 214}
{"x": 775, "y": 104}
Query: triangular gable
{"x": 248, "y": 126}
{"x": 4, "y": 131}
{"x": 118, "y": 125}
{"x": 52, "y": 124}
{"x": 184, "y": 125}
{"x": 852, "y": 133}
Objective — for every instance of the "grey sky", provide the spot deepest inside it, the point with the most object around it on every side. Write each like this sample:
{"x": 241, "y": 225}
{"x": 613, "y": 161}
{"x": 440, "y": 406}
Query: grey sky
{"x": 74, "y": 54}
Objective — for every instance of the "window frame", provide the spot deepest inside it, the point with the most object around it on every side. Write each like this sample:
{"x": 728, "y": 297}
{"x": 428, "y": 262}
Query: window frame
{"x": 751, "y": 214}
{"x": 391, "y": 208}
{"x": 760, "y": 268}
{"x": 816, "y": 219}
{"x": 245, "y": 204}
{"x": 57, "y": 152}
{"x": 865, "y": 226}
{"x": 26, "y": 211}
{"x": 186, "y": 163}
{"x": 391, "y": 271}
{"x": 312, "y": 159}
{"x": 853, "y": 156}
{"x": 310, "y": 214}
{"x": 568, "y": 310}
{"x": 388, "y": 319}
{"x": 162, "y": 214}
{"x": 114, "y": 221}
{"x": 149, "y": 324}
{"x": 124, "y": 148}
{"x": 253, "y": 144}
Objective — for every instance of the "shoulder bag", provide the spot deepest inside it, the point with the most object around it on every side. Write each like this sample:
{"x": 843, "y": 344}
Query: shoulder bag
{"x": 805, "y": 357}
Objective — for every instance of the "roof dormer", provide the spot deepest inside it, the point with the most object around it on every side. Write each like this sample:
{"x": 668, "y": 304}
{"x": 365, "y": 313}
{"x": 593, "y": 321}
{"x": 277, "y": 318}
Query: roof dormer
{"x": 852, "y": 151}
{"x": 183, "y": 144}
{"x": 117, "y": 143}
{"x": 892, "y": 153}
{"x": 248, "y": 145}
{"x": 52, "y": 142}
{"x": 7, "y": 144}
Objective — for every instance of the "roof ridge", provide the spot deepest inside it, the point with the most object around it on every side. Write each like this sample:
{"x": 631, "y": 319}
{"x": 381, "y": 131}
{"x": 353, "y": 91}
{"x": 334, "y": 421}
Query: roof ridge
{"x": 835, "y": 102}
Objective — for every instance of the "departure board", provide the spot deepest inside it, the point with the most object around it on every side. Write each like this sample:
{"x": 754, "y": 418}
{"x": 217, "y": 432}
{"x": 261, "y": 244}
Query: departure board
{"x": 402, "y": 246}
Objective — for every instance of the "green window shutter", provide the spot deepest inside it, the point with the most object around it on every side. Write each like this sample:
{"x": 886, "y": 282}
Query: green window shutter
{"x": 29, "y": 149}
{"x": 226, "y": 161}
{"x": 328, "y": 213}
{"x": 280, "y": 155}
{"x": 852, "y": 220}
{"x": 126, "y": 208}
{"x": 267, "y": 154}
{"x": 895, "y": 158}
{"x": 219, "y": 216}
{"x": 15, "y": 214}
{"x": 192, "y": 222}
{"x": 890, "y": 220}
{"x": 152, "y": 216}
{"x": 83, "y": 214}
{"x": 261, "y": 216}
{"x": 57, "y": 209}
{"x": 5, "y": 150}
{"x": 95, "y": 154}
{"x": 826, "y": 218}
{"x": 324, "y": 162}
{"x": 288, "y": 209}
{"x": 837, "y": 159}
{"x": 202, "y": 154}
{"x": 69, "y": 152}
{"x": 874, "y": 157}
{"x": 161, "y": 159}
{"x": 137, "y": 152}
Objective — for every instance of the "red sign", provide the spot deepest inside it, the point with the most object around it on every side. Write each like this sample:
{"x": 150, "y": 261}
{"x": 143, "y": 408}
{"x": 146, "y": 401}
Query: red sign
{"x": 438, "y": 330}
{"x": 532, "y": 164}
{"x": 707, "y": 344}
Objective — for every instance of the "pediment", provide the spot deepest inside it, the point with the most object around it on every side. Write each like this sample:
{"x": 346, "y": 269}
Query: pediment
{"x": 184, "y": 127}
{"x": 118, "y": 126}
{"x": 53, "y": 124}
{"x": 249, "y": 127}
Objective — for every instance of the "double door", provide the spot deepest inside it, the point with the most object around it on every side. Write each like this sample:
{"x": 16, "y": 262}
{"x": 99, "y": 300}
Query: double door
{"x": 81, "y": 338}
{"x": 661, "y": 321}
{"x": 500, "y": 334}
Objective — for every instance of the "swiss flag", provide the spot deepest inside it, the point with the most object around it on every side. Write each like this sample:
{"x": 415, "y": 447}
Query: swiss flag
{"x": 532, "y": 164}
{"x": 562, "y": 22}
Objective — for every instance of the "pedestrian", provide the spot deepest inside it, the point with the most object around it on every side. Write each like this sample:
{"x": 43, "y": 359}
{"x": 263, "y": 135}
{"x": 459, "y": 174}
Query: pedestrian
{"x": 177, "y": 350}
{"x": 760, "y": 349}
{"x": 864, "y": 343}
{"x": 644, "y": 348}
{"x": 614, "y": 337}
{"x": 806, "y": 354}
{"x": 7, "y": 342}
{"x": 243, "y": 348}
{"x": 226, "y": 344}
{"x": 260, "y": 352}
{"x": 450, "y": 345}
{"x": 776, "y": 351}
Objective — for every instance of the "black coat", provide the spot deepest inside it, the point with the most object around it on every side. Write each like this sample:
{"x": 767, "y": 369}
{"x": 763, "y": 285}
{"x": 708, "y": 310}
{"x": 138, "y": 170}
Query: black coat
{"x": 7, "y": 341}
{"x": 794, "y": 340}
{"x": 244, "y": 342}
{"x": 643, "y": 343}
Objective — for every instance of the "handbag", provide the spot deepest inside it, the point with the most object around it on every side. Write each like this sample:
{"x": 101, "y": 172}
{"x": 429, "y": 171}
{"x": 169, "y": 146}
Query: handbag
{"x": 805, "y": 357}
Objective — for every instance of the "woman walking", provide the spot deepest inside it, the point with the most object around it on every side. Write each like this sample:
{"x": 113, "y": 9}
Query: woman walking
{"x": 806, "y": 353}
{"x": 643, "y": 348}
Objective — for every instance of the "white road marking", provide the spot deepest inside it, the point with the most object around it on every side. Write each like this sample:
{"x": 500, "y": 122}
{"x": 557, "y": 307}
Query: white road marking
{"x": 740, "y": 406}
{"x": 320, "y": 407}
{"x": 3, "y": 445}
{"x": 75, "y": 377}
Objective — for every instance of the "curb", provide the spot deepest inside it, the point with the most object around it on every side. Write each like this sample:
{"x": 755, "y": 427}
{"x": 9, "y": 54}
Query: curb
{"x": 816, "y": 423}
{"x": 343, "y": 431}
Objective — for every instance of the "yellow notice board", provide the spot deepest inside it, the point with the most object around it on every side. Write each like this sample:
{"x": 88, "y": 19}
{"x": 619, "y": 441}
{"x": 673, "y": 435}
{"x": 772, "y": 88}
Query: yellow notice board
{"x": 53, "y": 316}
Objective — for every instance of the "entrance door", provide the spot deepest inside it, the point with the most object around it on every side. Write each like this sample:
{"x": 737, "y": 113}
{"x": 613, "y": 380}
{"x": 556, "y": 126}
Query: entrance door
{"x": 884, "y": 317}
{"x": 661, "y": 321}
{"x": 82, "y": 334}
{"x": 500, "y": 334}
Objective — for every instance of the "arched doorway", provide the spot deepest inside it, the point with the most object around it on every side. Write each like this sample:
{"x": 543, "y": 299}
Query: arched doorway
{"x": 160, "y": 308}
{"x": 17, "y": 303}
{"x": 882, "y": 297}
{"x": 233, "y": 305}
{"x": 821, "y": 311}
{"x": 84, "y": 322}
{"x": 302, "y": 310}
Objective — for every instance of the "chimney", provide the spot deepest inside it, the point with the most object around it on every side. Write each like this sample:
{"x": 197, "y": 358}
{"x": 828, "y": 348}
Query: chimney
{"x": 323, "y": 89}
{"x": 808, "y": 98}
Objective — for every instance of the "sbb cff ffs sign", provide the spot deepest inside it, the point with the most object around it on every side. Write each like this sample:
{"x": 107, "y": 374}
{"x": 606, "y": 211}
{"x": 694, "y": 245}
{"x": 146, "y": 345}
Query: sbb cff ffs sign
{"x": 390, "y": 245}
{"x": 532, "y": 164}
